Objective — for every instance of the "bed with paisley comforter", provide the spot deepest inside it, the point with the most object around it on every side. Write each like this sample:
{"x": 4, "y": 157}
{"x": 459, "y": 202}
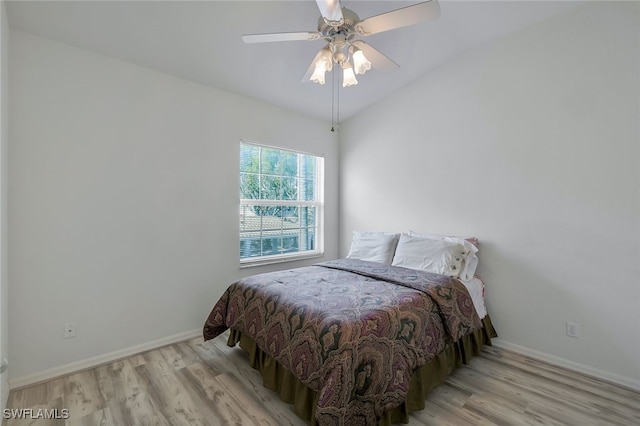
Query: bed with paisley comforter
{"x": 358, "y": 335}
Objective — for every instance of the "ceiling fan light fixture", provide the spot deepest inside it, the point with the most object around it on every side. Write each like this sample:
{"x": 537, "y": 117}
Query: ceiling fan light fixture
{"x": 360, "y": 62}
{"x": 348, "y": 76}
{"x": 338, "y": 26}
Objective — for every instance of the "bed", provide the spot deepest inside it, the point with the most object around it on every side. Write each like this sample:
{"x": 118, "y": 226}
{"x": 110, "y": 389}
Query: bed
{"x": 353, "y": 341}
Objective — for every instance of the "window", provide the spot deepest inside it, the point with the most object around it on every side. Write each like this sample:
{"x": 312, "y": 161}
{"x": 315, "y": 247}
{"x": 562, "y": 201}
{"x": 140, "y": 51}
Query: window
{"x": 281, "y": 204}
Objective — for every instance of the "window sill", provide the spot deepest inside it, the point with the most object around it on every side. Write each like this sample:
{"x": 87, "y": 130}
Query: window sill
{"x": 250, "y": 263}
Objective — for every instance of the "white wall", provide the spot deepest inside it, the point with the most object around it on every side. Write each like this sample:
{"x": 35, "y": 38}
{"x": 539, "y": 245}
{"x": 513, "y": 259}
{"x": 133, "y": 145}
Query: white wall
{"x": 4, "y": 172}
{"x": 532, "y": 144}
{"x": 123, "y": 200}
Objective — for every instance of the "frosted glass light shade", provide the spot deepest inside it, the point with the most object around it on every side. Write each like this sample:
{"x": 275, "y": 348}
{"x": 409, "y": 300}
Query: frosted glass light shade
{"x": 318, "y": 73}
{"x": 360, "y": 63}
{"x": 324, "y": 63}
{"x": 348, "y": 77}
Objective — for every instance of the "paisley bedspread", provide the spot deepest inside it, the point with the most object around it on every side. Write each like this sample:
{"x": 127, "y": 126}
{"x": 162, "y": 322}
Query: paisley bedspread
{"x": 351, "y": 330}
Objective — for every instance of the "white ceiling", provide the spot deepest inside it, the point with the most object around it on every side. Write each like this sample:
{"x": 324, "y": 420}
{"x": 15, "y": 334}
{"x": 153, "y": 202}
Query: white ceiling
{"x": 201, "y": 41}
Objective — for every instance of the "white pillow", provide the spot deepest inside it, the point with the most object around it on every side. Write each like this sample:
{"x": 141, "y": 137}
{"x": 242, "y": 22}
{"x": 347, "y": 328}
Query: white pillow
{"x": 470, "y": 258}
{"x": 373, "y": 246}
{"x": 427, "y": 254}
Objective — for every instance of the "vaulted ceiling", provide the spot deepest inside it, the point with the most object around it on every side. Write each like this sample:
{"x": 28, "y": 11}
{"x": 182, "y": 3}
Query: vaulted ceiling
{"x": 201, "y": 41}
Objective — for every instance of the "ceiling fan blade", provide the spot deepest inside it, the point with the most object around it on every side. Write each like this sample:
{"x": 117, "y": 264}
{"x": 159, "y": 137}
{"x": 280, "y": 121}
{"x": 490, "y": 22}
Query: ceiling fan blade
{"x": 378, "y": 59}
{"x": 267, "y": 38}
{"x": 331, "y": 11}
{"x": 399, "y": 18}
{"x": 307, "y": 76}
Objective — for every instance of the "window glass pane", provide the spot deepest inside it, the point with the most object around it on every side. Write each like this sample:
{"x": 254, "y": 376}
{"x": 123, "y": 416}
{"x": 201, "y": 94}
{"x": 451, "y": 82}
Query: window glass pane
{"x": 270, "y": 162}
{"x": 271, "y": 220}
{"x": 249, "y": 185}
{"x": 290, "y": 243}
{"x": 306, "y": 239}
{"x": 308, "y": 166}
{"x": 270, "y": 187}
{"x": 289, "y": 164}
{"x": 308, "y": 189}
{"x": 271, "y": 245}
{"x": 290, "y": 218}
{"x": 308, "y": 216}
{"x": 249, "y": 158}
{"x": 250, "y": 220}
{"x": 250, "y": 245}
{"x": 289, "y": 187}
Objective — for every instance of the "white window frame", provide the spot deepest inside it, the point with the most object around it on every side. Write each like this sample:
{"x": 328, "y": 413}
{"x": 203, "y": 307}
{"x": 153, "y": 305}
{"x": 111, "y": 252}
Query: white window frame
{"x": 318, "y": 204}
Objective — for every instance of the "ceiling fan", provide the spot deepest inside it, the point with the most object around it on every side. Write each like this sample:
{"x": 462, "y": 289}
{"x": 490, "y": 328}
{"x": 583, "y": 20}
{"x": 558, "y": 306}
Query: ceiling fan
{"x": 340, "y": 27}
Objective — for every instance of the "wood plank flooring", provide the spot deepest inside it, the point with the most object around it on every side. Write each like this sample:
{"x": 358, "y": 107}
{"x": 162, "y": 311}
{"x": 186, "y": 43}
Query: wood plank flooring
{"x": 208, "y": 383}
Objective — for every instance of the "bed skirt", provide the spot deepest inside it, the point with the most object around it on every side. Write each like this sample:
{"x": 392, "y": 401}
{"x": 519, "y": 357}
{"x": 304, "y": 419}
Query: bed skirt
{"x": 434, "y": 373}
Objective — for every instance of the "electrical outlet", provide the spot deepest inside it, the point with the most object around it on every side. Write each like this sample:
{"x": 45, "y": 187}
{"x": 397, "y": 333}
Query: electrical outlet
{"x": 573, "y": 329}
{"x": 69, "y": 330}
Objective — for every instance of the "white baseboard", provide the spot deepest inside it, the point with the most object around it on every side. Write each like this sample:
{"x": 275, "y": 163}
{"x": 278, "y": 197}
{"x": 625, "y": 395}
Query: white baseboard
{"x": 96, "y": 361}
{"x": 569, "y": 365}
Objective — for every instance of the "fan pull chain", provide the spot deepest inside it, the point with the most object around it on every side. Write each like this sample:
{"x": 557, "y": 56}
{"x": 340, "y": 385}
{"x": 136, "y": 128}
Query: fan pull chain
{"x": 338, "y": 106}
{"x": 333, "y": 95}
{"x": 335, "y": 101}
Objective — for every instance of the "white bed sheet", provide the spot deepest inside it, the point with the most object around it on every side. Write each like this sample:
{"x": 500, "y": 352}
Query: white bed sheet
{"x": 475, "y": 286}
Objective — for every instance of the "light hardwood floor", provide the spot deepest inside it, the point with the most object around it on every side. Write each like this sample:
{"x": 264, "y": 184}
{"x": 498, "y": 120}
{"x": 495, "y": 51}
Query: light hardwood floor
{"x": 208, "y": 383}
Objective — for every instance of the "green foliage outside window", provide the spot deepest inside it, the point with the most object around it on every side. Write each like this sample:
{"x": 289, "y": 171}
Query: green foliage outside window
{"x": 273, "y": 174}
